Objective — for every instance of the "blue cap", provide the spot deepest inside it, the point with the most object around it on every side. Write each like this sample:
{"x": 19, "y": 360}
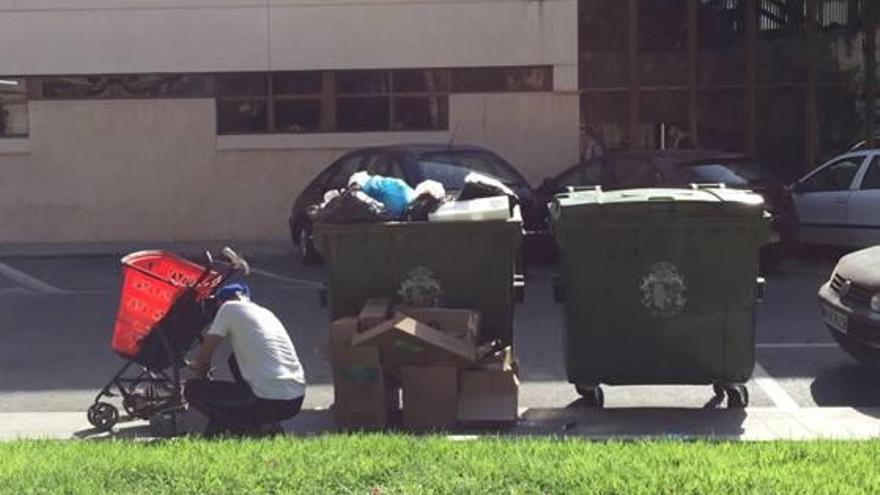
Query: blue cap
{"x": 229, "y": 291}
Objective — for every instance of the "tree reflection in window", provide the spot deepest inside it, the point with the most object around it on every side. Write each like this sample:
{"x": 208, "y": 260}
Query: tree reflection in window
{"x": 126, "y": 86}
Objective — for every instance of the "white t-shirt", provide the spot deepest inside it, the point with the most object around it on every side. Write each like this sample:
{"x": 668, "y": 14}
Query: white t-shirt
{"x": 264, "y": 352}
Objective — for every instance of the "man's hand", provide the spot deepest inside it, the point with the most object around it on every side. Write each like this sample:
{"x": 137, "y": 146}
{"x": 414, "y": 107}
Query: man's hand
{"x": 203, "y": 361}
{"x": 200, "y": 369}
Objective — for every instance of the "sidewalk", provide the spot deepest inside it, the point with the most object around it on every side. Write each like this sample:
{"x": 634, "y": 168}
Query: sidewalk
{"x": 761, "y": 424}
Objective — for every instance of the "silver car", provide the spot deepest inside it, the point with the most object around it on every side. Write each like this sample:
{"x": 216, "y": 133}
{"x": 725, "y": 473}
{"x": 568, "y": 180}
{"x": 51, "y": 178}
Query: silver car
{"x": 850, "y": 303}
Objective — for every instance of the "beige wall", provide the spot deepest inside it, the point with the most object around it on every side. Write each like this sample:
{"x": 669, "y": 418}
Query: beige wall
{"x": 119, "y": 36}
{"x": 121, "y": 171}
{"x": 537, "y": 132}
{"x": 128, "y": 170}
{"x": 154, "y": 170}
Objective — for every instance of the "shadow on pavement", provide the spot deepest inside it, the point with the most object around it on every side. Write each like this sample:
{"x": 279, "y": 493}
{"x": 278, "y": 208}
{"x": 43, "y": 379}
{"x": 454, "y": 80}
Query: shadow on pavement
{"x": 853, "y": 385}
{"x": 637, "y": 422}
{"x": 574, "y": 420}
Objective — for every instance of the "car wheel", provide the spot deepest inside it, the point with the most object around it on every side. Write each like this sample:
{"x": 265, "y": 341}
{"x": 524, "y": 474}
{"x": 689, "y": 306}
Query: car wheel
{"x": 307, "y": 249}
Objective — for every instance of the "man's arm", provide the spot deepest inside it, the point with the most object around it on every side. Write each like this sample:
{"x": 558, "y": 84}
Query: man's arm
{"x": 203, "y": 361}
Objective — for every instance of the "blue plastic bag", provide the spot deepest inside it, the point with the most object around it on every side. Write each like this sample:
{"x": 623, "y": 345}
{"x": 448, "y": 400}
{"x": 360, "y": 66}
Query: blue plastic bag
{"x": 394, "y": 193}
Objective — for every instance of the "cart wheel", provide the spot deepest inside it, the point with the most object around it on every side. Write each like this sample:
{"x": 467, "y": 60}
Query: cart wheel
{"x": 737, "y": 396}
{"x": 593, "y": 396}
{"x": 103, "y": 416}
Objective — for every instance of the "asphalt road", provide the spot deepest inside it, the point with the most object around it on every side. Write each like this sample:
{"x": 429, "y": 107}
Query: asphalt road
{"x": 56, "y": 317}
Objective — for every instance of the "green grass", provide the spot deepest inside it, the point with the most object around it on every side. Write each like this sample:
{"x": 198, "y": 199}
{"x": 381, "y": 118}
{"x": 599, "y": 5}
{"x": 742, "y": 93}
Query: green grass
{"x": 391, "y": 464}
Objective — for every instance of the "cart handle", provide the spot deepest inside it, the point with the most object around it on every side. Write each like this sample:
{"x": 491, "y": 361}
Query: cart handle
{"x": 209, "y": 268}
{"x": 237, "y": 261}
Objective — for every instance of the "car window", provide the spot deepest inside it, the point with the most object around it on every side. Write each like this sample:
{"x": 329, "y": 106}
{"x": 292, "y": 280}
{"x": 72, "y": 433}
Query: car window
{"x": 343, "y": 171}
{"x": 628, "y": 173}
{"x": 477, "y": 161}
{"x": 728, "y": 173}
{"x": 585, "y": 174}
{"x": 837, "y": 176}
{"x": 451, "y": 176}
{"x": 872, "y": 176}
{"x": 379, "y": 163}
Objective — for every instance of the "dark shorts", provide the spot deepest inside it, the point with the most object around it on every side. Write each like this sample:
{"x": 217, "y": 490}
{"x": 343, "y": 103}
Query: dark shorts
{"x": 233, "y": 407}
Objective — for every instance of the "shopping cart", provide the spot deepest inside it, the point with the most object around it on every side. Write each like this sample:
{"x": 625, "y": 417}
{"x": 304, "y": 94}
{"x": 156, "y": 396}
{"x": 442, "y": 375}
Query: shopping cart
{"x": 166, "y": 303}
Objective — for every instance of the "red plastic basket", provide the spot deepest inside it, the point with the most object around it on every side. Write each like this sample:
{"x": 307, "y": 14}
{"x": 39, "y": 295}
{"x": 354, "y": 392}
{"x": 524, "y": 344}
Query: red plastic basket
{"x": 151, "y": 281}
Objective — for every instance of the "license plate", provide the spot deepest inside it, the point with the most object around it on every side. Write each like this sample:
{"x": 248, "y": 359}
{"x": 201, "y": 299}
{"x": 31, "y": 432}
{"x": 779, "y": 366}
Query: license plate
{"x": 835, "y": 319}
{"x": 775, "y": 238}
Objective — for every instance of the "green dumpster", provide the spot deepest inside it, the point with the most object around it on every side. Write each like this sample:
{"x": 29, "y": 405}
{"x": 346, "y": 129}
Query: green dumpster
{"x": 468, "y": 264}
{"x": 660, "y": 287}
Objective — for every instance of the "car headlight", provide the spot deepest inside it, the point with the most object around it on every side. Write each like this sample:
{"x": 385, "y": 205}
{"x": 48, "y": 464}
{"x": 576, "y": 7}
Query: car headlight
{"x": 875, "y": 303}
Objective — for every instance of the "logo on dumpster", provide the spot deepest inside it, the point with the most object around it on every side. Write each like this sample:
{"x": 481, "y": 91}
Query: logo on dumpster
{"x": 421, "y": 288}
{"x": 663, "y": 291}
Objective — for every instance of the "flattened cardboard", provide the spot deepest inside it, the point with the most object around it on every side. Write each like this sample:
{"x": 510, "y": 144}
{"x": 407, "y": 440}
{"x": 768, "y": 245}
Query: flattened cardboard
{"x": 405, "y": 341}
{"x": 460, "y": 323}
{"x": 374, "y": 312}
{"x": 364, "y": 396}
{"x": 342, "y": 331}
{"x": 430, "y": 397}
{"x": 488, "y": 396}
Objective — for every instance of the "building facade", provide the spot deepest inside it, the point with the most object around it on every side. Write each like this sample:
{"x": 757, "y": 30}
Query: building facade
{"x": 144, "y": 121}
{"x": 789, "y": 81}
{"x": 133, "y": 121}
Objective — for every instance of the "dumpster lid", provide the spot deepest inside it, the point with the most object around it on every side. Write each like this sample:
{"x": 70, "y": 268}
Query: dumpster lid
{"x": 696, "y": 201}
{"x": 696, "y": 194}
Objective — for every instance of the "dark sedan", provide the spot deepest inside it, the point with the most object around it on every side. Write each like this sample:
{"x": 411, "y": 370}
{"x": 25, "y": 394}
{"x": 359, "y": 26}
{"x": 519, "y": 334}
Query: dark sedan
{"x": 681, "y": 168}
{"x": 850, "y": 303}
{"x": 447, "y": 164}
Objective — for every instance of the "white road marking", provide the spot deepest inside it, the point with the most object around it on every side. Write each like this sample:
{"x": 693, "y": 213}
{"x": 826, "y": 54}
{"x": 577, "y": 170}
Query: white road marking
{"x": 798, "y": 345}
{"x": 27, "y": 281}
{"x": 13, "y": 290}
{"x": 311, "y": 284}
{"x": 771, "y": 387}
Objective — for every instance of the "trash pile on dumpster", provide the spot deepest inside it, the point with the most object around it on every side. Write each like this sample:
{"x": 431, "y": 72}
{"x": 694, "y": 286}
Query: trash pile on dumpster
{"x": 429, "y": 358}
{"x": 374, "y": 198}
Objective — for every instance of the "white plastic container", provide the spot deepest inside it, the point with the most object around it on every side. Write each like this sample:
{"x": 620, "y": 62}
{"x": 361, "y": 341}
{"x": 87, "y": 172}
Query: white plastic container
{"x": 473, "y": 210}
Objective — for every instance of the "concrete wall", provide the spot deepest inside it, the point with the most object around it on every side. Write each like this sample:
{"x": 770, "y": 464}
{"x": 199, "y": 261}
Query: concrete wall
{"x": 119, "y": 36}
{"x": 154, "y": 170}
{"x": 123, "y": 171}
{"x": 537, "y": 132}
{"x": 129, "y": 170}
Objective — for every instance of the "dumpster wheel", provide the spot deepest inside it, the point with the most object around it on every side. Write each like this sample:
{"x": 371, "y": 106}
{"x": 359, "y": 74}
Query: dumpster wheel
{"x": 592, "y": 395}
{"x": 737, "y": 395}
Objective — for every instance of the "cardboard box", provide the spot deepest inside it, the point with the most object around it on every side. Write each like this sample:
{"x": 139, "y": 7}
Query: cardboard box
{"x": 430, "y": 397}
{"x": 405, "y": 341}
{"x": 364, "y": 395}
{"x": 374, "y": 312}
{"x": 488, "y": 396}
{"x": 460, "y": 323}
{"x": 342, "y": 331}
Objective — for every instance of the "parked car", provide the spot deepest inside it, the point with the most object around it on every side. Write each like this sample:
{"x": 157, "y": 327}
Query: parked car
{"x": 681, "y": 168}
{"x": 838, "y": 204}
{"x": 850, "y": 303}
{"x": 447, "y": 164}
{"x": 864, "y": 144}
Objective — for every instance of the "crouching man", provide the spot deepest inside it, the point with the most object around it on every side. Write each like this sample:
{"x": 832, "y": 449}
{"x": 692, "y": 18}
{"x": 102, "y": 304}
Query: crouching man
{"x": 269, "y": 381}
